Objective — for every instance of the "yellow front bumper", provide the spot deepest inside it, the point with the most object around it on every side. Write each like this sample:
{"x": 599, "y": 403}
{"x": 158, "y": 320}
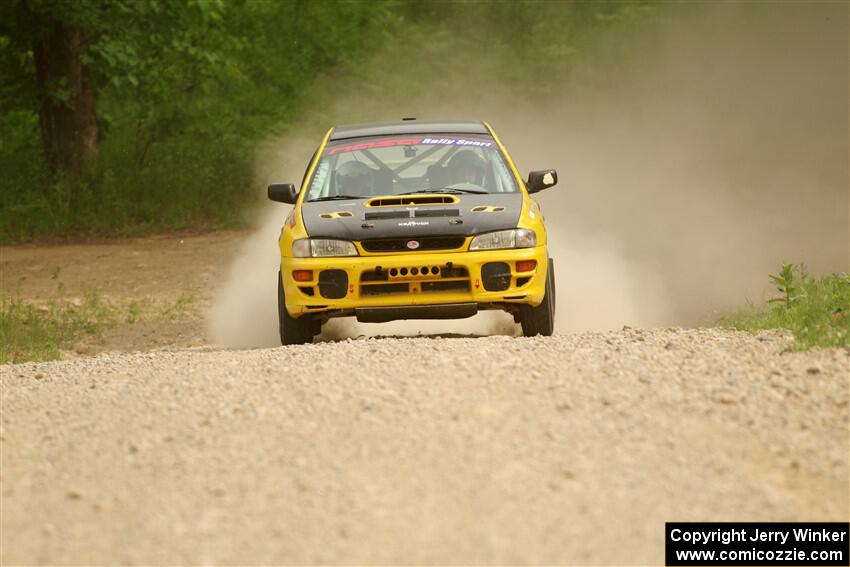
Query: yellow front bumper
{"x": 431, "y": 289}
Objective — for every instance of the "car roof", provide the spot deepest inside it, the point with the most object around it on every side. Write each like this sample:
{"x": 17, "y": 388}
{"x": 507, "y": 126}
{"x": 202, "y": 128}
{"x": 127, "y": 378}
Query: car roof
{"x": 409, "y": 127}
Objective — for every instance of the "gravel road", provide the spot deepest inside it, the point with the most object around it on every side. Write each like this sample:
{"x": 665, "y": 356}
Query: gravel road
{"x": 569, "y": 449}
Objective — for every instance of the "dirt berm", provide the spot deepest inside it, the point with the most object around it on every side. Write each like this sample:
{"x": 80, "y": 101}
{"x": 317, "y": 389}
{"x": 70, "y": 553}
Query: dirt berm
{"x": 570, "y": 449}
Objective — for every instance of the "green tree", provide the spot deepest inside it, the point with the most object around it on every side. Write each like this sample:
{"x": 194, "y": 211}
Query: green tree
{"x": 53, "y": 36}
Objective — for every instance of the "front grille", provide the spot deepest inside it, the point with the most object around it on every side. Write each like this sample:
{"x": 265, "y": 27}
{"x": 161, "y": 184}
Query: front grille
{"x": 456, "y": 285}
{"x": 425, "y": 243}
{"x": 451, "y": 271}
{"x": 380, "y": 274}
{"x": 374, "y": 276}
{"x": 384, "y": 289}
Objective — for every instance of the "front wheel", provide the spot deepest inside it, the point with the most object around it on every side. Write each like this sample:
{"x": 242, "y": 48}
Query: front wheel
{"x": 540, "y": 320}
{"x": 292, "y": 331}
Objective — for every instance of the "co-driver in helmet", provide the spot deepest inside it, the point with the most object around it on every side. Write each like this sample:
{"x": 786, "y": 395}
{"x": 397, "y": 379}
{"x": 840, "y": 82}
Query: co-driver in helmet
{"x": 466, "y": 167}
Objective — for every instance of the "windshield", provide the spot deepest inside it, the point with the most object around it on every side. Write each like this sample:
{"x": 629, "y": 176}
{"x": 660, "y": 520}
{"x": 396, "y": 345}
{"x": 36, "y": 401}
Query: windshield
{"x": 396, "y": 165}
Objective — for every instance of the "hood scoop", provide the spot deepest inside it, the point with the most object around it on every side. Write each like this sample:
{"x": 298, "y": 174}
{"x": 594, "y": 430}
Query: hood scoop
{"x": 406, "y": 200}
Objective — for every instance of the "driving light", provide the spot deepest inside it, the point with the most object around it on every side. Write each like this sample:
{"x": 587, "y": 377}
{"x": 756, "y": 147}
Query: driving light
{"x": 322, "y": 247}
{"x": 514, "y": 238}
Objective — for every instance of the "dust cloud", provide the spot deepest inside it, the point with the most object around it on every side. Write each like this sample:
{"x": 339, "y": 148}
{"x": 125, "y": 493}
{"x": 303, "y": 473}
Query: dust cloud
{"x": 712, "y": 148}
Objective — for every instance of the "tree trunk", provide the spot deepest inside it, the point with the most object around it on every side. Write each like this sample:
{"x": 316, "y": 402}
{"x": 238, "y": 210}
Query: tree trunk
{"x": 67, "y": 111}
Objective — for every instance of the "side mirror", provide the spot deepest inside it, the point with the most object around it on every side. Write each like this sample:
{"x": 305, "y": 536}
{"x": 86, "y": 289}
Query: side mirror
{"x": 283, "y": 193}
{"x": 541, "y": 179}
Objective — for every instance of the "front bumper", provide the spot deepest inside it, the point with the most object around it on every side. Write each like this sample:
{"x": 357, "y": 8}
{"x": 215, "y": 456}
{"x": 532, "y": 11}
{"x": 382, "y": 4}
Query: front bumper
{"x": 490, "y": 279}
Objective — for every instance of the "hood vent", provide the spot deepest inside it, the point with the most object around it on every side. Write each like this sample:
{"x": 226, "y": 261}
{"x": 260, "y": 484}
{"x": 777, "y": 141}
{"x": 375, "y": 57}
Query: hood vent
{"x": 335, "y": 215}
{"x": 406, "y": 200}
{"x": 381, "y": 215}
{"x": 437, "y": 213}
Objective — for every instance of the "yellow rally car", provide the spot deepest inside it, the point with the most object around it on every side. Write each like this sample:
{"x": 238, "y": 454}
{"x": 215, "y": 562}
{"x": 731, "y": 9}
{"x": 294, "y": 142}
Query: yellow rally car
{"x": 413, "y": 220}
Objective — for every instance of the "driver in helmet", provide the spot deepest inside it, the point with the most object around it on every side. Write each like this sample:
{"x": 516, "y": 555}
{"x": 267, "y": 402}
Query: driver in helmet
{"x": 466, "y": 167}
{"x": 354, "y": 178}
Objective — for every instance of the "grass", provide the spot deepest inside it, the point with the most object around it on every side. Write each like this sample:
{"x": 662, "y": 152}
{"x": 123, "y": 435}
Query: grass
{"x": 31, "y": 332}
{"x": 815, "y": 310}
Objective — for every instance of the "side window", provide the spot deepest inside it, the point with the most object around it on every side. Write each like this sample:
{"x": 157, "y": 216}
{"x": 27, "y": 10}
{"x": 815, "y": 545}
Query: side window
{"x": 309, "y": 163}
{"x": 319, "y": 186}
{"x": 504, "y": 178}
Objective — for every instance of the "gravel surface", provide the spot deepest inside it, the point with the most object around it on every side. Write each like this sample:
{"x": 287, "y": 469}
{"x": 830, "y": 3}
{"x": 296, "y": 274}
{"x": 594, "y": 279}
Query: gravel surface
{"x": 570, "y": 449}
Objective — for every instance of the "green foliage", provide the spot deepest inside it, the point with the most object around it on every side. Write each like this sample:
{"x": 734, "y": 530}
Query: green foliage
{"x": 816, "y": 310}
{"x": 787, "y": 283}
{"x": 187, "y": 88}
{"x": 538, "y": 43}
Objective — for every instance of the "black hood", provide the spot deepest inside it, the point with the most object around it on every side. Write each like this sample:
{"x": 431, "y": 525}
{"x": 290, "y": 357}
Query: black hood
{"x": 385, "y": 218}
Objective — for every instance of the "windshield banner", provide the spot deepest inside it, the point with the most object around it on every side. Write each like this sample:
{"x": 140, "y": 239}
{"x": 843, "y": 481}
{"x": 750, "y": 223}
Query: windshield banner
{"x": 409, "y": 142}
{"x": 457, "y": 142}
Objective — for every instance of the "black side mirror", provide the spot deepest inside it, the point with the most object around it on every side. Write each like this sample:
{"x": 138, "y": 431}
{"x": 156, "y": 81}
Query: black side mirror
{"x": 541, "y": 179}
{"x": 283, "y": 193}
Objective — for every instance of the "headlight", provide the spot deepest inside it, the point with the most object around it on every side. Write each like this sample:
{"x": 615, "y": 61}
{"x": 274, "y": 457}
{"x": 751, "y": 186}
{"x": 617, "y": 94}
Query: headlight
{"x": 514, "y": 238}
{"x": 320, "y": 247}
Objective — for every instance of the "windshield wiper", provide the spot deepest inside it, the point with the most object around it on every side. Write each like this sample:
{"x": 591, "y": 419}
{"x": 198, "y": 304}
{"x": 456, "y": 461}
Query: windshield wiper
{"x": 448, "y": 190}
{"x": 335, "y": 198}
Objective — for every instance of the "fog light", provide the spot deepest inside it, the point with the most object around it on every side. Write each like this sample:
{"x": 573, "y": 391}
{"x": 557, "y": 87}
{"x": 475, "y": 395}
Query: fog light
{"x": 302, "y": 275}
{"x": 333, "y": 284}
{"x": 496, "y": 276}
{"x": 526, "y": 265}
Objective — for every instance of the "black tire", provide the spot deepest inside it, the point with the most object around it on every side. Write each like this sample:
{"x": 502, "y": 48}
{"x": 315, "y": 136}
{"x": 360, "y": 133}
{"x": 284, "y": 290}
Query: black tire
{"x": 540, "y": 320}
{"x": 292, "y": 331}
